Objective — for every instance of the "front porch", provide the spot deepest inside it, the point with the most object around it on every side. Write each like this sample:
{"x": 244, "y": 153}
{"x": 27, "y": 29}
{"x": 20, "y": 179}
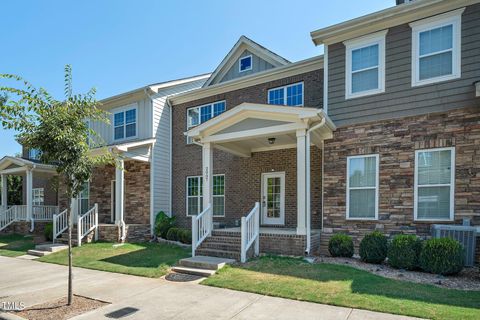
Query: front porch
{"x": 274, "y": 146}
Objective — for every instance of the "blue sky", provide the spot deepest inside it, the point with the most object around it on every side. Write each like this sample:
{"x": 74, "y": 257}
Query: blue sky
{"x": 119, "y": 45}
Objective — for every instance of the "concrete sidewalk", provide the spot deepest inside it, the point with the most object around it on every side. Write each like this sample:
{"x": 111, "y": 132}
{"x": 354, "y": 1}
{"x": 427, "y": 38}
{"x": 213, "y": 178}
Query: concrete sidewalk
{"x": 35, "y": 282}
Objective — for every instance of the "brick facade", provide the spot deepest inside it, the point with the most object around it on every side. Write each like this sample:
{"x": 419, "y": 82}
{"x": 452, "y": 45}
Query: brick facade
{"x": 396, "y": 141}
{"x": 243, "y": 175}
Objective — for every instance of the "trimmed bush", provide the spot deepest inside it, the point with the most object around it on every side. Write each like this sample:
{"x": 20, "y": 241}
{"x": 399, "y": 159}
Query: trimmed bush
{"x": 163, "y": 223}
{"x": 404, "y": 252}
{"x": 173, "y": 234}
{"x": 341, "y": 245}
{"x": 373, "y": 247}
{"x": 48, "y": 231}
{"x": 442, "y": 256}
{"x": 185, "y": 236}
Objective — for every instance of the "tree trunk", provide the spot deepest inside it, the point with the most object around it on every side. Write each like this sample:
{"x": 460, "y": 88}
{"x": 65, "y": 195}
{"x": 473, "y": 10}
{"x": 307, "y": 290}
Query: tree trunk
{"x": 70, "y": 275}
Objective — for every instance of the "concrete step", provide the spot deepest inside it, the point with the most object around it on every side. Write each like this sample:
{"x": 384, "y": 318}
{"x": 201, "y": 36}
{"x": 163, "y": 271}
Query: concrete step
{"x": 38, "y": 253}
{"x": 205, "y": 262}
{"x": 194, "y": 271}
{"x": 219, "y": 253}
{"x": 51, "y": 247}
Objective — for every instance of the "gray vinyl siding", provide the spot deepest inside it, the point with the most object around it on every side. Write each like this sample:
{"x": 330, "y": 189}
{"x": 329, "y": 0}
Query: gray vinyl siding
{"x": 161, "y": 161}
{"x": 144, "y": 123}
{"x": 400, "y": 99}
{"x": 258, "y": 64}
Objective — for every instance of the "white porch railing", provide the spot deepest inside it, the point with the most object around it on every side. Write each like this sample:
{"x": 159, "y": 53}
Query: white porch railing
{"x": 7, "y": 217}
{"x": 21, "y": 211}
{"x": 202, "y": 226}
{"x": 60, "y": 224}
{"x": 250, "y": 232}
{"x": 44, "y": 213}
{"x": 87, "y": 223}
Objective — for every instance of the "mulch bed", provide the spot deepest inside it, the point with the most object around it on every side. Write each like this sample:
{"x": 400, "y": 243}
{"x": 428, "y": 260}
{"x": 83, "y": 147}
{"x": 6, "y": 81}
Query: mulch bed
{"x": 468, "y": 279}
{"x": 58, "y": 309}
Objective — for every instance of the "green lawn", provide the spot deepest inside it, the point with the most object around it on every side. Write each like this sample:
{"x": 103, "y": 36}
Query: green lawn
{"x": 141, "y": 259}
{"x": 14, "y": 245}
{"x": 346, "y": 286}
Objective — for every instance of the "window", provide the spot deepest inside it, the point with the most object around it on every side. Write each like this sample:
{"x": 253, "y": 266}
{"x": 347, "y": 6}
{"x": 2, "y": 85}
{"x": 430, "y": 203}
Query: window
{"x": 291, "y": 95}
{"x": 34, "y": 154}
{"x": 245, "y": 63}
{"x": 38, "y": 195}
{"x": 201, "y": 114}
{"x": 83, "y": 199}
{"x": 365, "y": 65}
{"x": 125, "y": 124}
{"x": 362, "y": 187}
{"x": 436, "y": 45}
{"x": 195, "y": 195}
{"x": 434, "y": 184}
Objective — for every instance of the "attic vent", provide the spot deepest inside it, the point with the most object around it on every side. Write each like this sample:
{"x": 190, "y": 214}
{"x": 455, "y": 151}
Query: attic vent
{"x": 403, "y": 1}
{"x": 463, "y": 234}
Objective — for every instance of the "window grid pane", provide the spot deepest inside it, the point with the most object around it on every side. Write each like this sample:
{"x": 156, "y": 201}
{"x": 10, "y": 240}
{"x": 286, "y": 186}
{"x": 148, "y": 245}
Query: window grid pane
{"x": 365, "y": 80}
{"x": 362, "y": 184}
{"x": 364, "y": 58}
{"x": 435, "y": 52}
{"x": 276, "y": 96}
{"x": 295, "y": 95}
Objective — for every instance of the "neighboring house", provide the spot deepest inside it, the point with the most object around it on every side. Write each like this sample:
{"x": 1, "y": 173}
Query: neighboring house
{"x": 402, "y": 89}
{"x": 138, "y": 135}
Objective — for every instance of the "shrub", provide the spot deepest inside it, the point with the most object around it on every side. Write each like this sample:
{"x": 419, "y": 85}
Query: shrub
{"x": 173, "y": 234}
{"x": 185, "y": 236}
{"x": 163, "y": 223}
{"x": 442, "y": 256}
{"x": 48, "y": 231}
{"x": 404, "y": 252}
{"x": 340, "y": 245}
{"x": 373, "y": 248}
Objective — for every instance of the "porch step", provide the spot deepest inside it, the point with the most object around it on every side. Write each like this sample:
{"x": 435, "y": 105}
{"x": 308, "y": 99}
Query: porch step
{"x": 194, "y": 271}
{"x": 205, "y": 262}
{"x": 226, "y": 233}
{"x": 50, "y": 247}
{"x": 218, "y": 253}
{"x": 208, "y": 244}
{"x": 38, "y": 253}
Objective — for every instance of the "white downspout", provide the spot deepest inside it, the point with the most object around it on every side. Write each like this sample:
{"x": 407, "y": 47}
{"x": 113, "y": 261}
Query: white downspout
{"x": 308, "y": 212}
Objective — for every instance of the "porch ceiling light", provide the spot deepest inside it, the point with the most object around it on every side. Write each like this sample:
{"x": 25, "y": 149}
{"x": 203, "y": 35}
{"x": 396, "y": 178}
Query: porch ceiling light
{"x": 271, "y": 140}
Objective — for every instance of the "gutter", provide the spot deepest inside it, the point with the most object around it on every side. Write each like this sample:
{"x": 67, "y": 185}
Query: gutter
{"x": 308, "y": 213}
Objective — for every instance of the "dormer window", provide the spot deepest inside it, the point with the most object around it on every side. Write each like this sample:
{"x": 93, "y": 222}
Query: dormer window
{"x": 34, "y": 154}
{"x": 436, "y": 48}
{"x": 365, "y": 65}
{"x": 245, "y": 63}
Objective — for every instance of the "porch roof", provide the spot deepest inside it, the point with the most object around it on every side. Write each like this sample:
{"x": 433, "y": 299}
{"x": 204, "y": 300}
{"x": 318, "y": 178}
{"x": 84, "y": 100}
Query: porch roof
{"x": 16, "y": 165}
{"x": 251, "y": 127}
{"x": 136, "y": 149}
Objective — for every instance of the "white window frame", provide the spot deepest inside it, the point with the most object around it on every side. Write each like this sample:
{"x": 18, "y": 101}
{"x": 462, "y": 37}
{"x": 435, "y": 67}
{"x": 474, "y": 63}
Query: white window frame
{"x": 35, "y": 193}
{"x": 190, "y": 126}
{"x": 34, "y": 154}
{"x": 285, "y": 93}
{"x": 453, "y": 18}
{"x": 240, "y": 63}
{"x": 377, "y": 38}
{"x": 377, "y": 186}
{"x": 200, "y": 198}
{"x": 451, "y": 185}
{"x": 124, "y": 110}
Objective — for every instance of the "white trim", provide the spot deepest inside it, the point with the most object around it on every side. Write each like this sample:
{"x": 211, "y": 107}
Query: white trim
{"x": 453, "y": 18}
{"x": 112, "y": 200}
{"x": 452, "y": 184}
{"x": 377, "y": 186}
{"x": 200, "y": 197}
{"x": 377, "y": 38}
{"x": 240, "y": 63}
{"x": 124, "y": 109}
{"x": 285, "y": 98}
{"x": 281, "y": 219}
{"x": 325, "y": 79}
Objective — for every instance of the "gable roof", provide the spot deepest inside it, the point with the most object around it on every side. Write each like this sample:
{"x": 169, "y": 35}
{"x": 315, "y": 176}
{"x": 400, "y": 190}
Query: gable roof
{"x": 386, "y": 18}
{"x": 243, "y": 44}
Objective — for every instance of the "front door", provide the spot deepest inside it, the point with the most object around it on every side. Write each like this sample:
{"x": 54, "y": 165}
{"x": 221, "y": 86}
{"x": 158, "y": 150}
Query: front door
{"x": 273, "y": 198}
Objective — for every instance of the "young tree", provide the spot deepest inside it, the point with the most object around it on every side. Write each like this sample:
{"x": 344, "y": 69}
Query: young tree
{"x": 58, "y": 128}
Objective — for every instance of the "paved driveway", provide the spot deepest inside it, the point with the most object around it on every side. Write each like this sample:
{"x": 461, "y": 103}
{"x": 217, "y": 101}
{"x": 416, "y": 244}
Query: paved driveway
{"x": 35, "y": 282}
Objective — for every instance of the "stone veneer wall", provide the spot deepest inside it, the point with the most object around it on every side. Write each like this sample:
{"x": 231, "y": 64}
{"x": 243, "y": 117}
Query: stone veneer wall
{"x": 135, "y": 232}
{"x": 137, "y": 192}
{"x": 396, "y": 141}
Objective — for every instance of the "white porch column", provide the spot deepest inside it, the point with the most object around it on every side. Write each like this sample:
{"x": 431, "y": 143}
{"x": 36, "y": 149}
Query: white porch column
{"x": 4, "y": 191}
{"x": 119, "y": 191}
{"x": 301, "y": 181}
{"x": 29, "y": 194}
{"x": 207, "y": 159}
